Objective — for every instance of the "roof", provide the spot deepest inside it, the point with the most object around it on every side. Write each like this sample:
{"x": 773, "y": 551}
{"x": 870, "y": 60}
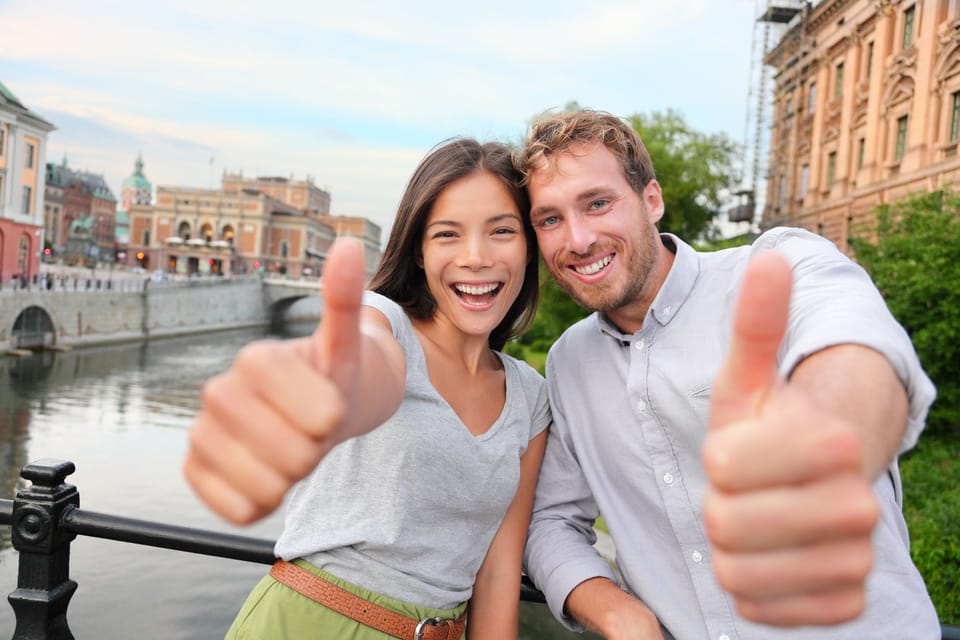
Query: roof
{"x": 60, "y": 175}
{"x": 11, "y": 101}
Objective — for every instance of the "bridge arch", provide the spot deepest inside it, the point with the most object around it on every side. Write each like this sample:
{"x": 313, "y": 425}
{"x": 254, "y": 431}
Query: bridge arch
{"x": 33, "y": 328}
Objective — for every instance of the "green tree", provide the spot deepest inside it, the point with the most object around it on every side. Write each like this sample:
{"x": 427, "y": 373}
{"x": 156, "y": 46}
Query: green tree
{"x": 911, "y": 251}
{"x": 695, "y": 171}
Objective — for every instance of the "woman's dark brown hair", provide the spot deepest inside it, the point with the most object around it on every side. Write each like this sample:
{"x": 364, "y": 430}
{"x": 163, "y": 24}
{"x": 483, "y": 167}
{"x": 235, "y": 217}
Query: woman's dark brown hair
{"x": 399, "y": 275}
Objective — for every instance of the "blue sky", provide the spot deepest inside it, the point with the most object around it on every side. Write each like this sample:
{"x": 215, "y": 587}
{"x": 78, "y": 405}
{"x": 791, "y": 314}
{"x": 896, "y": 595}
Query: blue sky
{"x": 354, "y": 93}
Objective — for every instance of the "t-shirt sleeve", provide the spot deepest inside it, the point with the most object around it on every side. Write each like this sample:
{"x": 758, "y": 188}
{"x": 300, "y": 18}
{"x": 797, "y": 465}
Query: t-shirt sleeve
{"x": 393, "y": 311}
{"x": 535, "y": 390}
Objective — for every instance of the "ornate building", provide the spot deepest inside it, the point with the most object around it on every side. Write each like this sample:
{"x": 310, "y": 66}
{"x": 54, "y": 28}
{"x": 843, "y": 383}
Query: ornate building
{"x": 269, "y": 224}
{"x": 23, "y": 149}
{"x": 866, "y": 110}
{"x": 81, "y": 217}
{"x": 136, "y": 189}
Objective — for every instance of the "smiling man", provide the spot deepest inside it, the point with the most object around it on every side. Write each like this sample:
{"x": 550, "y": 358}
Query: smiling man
{"x": 735, "y": 416}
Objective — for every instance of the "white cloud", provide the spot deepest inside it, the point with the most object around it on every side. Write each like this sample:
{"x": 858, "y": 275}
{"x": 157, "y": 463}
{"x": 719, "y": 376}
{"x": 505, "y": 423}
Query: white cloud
{"x": 353, "y": 93}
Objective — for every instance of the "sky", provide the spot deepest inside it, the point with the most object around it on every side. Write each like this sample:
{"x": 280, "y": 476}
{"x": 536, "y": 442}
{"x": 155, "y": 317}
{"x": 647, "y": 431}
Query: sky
{"x": 353, "y": 94}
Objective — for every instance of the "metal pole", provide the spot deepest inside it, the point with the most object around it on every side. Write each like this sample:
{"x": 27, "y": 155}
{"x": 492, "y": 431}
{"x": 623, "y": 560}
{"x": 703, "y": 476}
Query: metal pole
{"x": 44, "y": 587}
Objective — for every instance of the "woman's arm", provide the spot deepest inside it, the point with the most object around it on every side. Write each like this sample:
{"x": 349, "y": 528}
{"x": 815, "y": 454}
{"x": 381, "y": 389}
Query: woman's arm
{"x": 494, "y": 609}
{"x": 269, "y": 420}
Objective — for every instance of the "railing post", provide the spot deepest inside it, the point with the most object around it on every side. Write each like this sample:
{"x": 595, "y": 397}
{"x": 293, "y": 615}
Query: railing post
{"x": 44, "y": 587}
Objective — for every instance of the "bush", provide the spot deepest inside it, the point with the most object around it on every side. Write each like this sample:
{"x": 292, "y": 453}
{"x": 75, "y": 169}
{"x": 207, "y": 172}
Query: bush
{"x": 931, "y": 480}
{"x": 912, "y": 252}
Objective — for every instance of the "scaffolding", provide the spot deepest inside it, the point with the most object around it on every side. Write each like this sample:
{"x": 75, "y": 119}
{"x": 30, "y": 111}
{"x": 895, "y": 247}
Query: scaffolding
{"x": 774, "y": 18}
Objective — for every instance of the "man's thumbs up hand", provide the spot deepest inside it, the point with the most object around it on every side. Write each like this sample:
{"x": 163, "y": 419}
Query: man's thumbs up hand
{"x": 788, "y": 509}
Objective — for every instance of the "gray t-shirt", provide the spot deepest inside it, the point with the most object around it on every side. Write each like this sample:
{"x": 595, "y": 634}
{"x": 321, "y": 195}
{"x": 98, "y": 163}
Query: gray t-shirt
{"x": 409, "y": 509}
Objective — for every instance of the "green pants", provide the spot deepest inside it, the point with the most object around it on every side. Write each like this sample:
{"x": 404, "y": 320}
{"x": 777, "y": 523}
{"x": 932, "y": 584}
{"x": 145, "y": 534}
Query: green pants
{"x": 274, "y": 611}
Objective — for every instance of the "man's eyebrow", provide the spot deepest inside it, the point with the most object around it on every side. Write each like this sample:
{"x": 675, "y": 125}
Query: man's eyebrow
{"x": 589, "y": 194}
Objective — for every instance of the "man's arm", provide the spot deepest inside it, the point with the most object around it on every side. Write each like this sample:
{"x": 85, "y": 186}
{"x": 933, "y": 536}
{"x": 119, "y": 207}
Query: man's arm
{"x": 602, "y": 606}
{"x": 790, "y": 509}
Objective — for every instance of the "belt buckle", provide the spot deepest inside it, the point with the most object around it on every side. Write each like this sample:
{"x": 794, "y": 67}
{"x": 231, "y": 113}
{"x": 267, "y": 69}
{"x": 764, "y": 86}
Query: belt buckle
{"x": 430, "y": 621}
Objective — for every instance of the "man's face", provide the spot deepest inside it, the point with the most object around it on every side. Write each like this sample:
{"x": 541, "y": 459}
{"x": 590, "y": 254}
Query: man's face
{"x": 598, "y": 237}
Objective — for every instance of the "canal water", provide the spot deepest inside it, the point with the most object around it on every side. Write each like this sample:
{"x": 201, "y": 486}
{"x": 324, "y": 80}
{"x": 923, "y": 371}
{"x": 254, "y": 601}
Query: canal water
{"x": 121, "y": 414}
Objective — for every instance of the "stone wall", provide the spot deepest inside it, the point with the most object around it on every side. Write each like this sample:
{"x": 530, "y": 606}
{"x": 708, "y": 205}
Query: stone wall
{"x": 158, "y": 309}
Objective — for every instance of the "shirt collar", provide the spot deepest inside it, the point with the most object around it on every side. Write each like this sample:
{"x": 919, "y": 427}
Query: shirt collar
{"x": 673, "y": 292}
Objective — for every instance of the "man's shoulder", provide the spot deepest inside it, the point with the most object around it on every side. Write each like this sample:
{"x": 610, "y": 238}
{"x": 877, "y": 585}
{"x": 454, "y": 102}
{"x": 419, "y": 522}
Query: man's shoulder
{"x": 575, "y": 335}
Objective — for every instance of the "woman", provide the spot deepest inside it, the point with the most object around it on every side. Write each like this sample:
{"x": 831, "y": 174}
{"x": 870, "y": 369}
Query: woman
{"x": 430, "y": 438}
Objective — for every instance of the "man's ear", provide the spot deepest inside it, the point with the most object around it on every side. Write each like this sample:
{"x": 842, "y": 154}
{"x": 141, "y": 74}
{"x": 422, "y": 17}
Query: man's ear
{"x": 653, "y": 201}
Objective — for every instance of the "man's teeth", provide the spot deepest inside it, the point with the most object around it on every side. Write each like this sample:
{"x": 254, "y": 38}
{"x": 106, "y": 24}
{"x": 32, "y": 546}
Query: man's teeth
{"x": 591, "y": 269}
{"x": 476, "y": 290}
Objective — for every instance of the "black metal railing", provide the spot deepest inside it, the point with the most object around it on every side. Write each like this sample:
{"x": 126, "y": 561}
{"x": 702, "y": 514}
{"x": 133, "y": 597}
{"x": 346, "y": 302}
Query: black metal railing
{"x": 45, "y": 518}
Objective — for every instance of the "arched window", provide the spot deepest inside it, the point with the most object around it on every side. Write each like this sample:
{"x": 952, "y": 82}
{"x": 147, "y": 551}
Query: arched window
{"x": 23, "y": 253}
{"x": 226, "y": 234}
{"x": 184, "y": 230}
{"x": 206, "y": 232}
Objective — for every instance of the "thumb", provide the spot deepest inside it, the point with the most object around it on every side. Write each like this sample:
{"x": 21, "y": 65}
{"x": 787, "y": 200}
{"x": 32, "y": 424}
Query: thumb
{"x": 336, "y": 342}
{"x": 749, "y": 371}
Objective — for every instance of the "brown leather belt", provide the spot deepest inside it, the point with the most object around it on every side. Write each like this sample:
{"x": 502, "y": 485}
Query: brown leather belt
{"x": 363, "y": 611}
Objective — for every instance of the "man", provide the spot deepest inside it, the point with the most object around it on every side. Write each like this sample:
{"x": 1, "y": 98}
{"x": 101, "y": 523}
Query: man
{"x": 740, "y": 442}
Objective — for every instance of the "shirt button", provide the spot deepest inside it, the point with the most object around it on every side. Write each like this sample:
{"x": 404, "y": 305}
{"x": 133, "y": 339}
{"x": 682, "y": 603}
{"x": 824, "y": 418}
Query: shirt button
{"x": 638, "y": 345}
{"x": 667, "y": 312}
{"x": 697, "y": 557}
{"x": 723, "y": 636}
{"x": 641, "y": 405}
{"x": 668, "y": 478}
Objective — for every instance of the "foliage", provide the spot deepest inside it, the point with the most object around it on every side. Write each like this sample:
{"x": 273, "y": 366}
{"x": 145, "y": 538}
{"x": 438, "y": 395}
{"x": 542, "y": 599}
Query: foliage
{"x": 695, "y": 170}
{"x": 931, "y": 481}
{"x": 911, "y": 251}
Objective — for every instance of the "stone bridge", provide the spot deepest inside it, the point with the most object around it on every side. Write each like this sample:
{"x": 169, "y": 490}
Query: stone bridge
{"x": 38, "y": 317}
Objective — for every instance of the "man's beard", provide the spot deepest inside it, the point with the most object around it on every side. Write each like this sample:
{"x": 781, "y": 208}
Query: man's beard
{"x": 604, "y": 297}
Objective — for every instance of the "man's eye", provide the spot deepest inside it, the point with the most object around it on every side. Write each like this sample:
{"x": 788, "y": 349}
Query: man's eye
{"x": 548, "y": 221}
{"x": 598, "y": 204}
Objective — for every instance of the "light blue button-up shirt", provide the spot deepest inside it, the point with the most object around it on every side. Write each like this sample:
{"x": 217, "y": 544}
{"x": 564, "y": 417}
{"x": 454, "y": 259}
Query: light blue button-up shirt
{"x": 630, "y": 414}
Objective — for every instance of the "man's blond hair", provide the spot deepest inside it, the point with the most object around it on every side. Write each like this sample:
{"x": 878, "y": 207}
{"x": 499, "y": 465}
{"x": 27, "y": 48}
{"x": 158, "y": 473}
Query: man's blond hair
{"x": 554, "y": 134}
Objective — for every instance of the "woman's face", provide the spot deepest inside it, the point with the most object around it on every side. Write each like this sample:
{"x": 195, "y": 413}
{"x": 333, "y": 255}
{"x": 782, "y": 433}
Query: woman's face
{"x": 474, "y": 253}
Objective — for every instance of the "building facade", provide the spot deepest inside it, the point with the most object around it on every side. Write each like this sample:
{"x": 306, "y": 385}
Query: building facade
{"x": 81, "y": 217}
{"x": 273, "y": 225}
{"x": 866, "y": 110}
{"x": 23, "y": 148}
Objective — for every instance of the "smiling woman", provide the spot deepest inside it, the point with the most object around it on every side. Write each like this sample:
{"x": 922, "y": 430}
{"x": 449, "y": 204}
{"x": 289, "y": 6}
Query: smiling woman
{"x": 409, "y": 444}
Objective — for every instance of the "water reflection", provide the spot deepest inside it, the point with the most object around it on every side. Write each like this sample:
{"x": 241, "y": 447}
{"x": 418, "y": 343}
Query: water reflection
{"x": 121, "y": 414}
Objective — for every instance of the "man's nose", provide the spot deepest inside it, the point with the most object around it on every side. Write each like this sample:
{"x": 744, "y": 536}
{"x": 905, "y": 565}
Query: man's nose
{"x": 581, "y": 235}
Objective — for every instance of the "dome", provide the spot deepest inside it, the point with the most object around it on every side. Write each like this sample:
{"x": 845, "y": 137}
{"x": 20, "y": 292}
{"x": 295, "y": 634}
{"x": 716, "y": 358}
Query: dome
{"x": 137, "y": 181}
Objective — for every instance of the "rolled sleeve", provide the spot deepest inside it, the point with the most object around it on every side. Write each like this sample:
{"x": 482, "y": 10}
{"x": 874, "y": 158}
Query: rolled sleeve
{"x": 559, "y": 553}
{"x": 835, "y": 302}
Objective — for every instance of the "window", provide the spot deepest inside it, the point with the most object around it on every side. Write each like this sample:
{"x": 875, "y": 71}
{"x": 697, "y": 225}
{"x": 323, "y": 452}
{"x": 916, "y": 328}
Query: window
{"x": 27, "y": 199}
{"x": 284, "y": 249}
{"x": 908, "y": 18}
{"x": 145, "y": 238}
{"x": 3, "y": 136}
{"x": 812, "y": 98}
{"x": 782, "y": 196}
{"x": 23, "y": 254}
{"x": 831, "y": 168}
{"x": 28, "y": 156}
{"x": 838, "y": 81}
{"x": 955, "y": 118}
{"x": 804, "y": 180}
{"x": 869, "y": 59}
{"x": 901, "y": 138}
{"x": 861, "y": 151}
